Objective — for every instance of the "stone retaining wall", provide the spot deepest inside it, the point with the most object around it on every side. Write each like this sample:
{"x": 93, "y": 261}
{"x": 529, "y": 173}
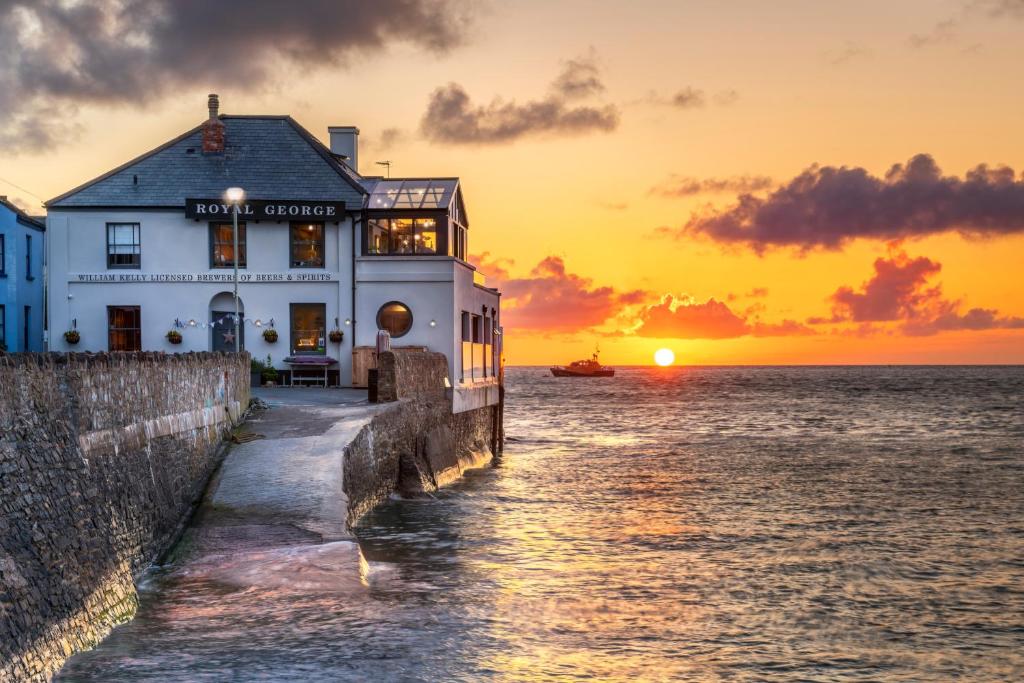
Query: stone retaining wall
{"x": 101, "y": 458}
{"x": 418, "y": 444}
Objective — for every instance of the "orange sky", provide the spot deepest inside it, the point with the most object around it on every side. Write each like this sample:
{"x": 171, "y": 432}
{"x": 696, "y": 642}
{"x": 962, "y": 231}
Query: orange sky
{"x": 567, "y": 188}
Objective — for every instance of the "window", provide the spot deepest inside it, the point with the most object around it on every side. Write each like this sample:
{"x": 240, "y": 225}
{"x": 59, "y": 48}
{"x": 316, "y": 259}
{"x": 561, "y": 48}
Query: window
{"x": 308, "y": 329}
{"x": 3, "y": 327}
{"x": 124, "y": 247}
{"x": 377, "y": 236}
{"x": 3, "y": 258}
{"x": 28, "y": 257}
{"x": 307, "y": 245}
{"x": 402, "y": 236}
{"x": 25, "y": 326}
{"x": 125, "y": 328}
{"x": 222, "y": 245}
{"x": 425, "y": 240}
{"x": 395, "y": 317}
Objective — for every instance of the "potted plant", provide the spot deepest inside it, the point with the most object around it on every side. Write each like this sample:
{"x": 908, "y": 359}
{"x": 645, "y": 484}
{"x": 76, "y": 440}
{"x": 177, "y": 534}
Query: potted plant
{"x": 269, "y": 373}
{"x": 72, "y": 337}
{"x": 336, "y": 336}
{"x": 270, "y": 335}
{"x": 174, "y": 336}
{"x": 256, "y": 372}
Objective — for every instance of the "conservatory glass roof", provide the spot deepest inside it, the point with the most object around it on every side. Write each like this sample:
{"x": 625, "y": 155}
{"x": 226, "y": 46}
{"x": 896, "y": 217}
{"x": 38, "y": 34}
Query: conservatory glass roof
{"x": 413, "y": 193}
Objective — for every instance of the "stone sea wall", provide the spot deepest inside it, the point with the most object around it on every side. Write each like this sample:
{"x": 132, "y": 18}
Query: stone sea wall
{"x": 418, "y": 444}
{"x": 101, "y": 459}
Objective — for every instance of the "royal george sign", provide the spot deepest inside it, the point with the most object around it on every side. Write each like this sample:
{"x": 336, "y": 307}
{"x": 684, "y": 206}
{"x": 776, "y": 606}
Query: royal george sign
{"x": 243, "y": 277}
{"x": 265, "y": 210}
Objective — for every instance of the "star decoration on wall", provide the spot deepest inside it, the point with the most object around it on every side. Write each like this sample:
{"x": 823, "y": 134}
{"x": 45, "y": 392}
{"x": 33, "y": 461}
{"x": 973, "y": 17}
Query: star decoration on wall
{"x": 229, "y": 337}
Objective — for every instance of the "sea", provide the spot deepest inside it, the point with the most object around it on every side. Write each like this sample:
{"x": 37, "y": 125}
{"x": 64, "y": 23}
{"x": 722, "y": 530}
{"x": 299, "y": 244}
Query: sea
{"x": 685, "y": 523}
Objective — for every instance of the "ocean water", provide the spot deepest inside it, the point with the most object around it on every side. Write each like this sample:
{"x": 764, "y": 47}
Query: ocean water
{"x": 862, "y": 523}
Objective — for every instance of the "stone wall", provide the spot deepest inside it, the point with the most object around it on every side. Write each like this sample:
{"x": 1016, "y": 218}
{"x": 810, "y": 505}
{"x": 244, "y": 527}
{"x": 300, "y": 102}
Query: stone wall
{"x": 411, "y": 374}
{"x": 418, "y": 444}
{"x": 101, "y": 458}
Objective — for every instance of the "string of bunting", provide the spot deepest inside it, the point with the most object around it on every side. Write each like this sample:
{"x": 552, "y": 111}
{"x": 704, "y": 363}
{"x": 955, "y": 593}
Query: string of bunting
{"x": 223, "y": 320}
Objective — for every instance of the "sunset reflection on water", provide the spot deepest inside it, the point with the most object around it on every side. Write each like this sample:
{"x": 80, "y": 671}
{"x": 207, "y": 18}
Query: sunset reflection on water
{"x": 706, "y": 523}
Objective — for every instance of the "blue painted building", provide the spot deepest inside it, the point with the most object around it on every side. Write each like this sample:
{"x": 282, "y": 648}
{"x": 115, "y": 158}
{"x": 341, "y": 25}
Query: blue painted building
{"x": 22, "y": 315}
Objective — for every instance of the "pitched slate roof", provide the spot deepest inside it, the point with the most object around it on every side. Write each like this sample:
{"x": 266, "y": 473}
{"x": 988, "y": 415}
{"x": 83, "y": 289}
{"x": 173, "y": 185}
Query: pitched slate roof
{"x": 271, "y": 157}
{"x": 22, "y": 217}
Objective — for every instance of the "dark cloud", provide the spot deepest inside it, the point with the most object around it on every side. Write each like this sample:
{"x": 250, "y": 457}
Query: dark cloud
{"x": 686, "y": 187}
{"x": 57, "y": 55}
{"x": 693, "y": 98}
{"x": 827, "y": 206}
{"x": 943, "y": 32}
{"x": 451, "y": 116}
{"x": 899, "y": 291}
{"x": 579, "y": 79}
{"x": 688, "y": 98}
{"x": 689, "y": 319}
{"x": 551, "y": 299}
{"x": 389, "y": 137}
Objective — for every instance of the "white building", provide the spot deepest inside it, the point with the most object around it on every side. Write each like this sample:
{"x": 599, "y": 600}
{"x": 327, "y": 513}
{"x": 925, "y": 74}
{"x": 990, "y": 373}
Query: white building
{"x": 147, "y": 250}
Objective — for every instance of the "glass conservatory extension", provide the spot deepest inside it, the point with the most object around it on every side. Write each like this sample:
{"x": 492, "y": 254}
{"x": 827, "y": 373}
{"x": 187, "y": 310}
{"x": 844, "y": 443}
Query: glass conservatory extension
{"x": 416, "y": 217}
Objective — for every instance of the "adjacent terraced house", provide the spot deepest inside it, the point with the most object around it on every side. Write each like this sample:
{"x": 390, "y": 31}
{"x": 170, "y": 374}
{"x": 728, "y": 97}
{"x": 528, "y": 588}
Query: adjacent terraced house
{"x": 22, "y": 317}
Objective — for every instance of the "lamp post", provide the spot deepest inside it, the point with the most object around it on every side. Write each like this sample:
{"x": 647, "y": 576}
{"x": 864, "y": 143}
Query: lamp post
{"x": 235, "y": 196}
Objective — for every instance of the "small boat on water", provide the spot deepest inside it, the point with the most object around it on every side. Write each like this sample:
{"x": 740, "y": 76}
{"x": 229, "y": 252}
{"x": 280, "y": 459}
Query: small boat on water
{"x": 583, "y": 368}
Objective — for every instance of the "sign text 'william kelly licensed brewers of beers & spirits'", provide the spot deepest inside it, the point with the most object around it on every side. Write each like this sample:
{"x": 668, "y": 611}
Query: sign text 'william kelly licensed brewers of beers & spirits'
{"x": 265, "y": 210}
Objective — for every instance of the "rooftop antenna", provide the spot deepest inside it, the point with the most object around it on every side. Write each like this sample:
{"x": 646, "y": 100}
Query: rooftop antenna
{"x": 385, "y": 163}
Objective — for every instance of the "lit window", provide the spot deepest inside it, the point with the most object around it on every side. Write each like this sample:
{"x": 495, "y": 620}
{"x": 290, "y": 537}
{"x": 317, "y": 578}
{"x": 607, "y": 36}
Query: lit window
{"x": 426, "y": 236}
{"x": 307, "y": 245}
{"x": 395, "y": 317}
{"x": 124, "y": 248}
{"x": 401, "y": 236}
{"x": 222, "y": 245}
{"x": 308, "y": 329}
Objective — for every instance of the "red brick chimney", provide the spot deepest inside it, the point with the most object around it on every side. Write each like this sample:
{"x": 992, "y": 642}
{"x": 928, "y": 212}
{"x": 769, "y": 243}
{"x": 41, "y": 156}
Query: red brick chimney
{"x": 213, "y": 129}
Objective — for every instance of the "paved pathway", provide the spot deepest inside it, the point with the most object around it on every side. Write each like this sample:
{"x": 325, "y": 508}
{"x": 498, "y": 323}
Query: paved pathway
{"x": 285, "y": 488}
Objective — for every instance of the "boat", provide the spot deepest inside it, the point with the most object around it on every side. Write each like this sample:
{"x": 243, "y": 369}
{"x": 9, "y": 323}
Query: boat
{"x": 583, "y": 368}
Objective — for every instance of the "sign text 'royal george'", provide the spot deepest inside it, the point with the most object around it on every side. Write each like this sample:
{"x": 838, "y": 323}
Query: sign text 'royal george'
{"x": 265, "y": 209}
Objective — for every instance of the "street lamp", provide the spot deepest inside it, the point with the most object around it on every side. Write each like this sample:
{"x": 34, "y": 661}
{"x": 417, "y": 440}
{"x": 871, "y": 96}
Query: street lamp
{"x": 235, "y": 196}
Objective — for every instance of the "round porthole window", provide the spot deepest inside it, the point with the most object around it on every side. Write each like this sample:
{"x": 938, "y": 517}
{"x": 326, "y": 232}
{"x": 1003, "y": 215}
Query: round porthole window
{"x": 395, "y": 317}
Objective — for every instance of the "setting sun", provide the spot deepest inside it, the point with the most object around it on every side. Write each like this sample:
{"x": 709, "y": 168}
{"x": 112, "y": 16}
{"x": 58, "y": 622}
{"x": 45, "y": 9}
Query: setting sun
{"x": 664, "y": 357}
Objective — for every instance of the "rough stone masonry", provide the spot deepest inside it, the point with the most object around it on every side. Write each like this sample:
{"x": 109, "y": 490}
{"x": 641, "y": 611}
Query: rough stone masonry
{"x": 101, "y": 458}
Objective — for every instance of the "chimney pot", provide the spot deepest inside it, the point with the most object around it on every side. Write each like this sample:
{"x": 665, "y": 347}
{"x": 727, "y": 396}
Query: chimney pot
{"x": 213, "y": 102}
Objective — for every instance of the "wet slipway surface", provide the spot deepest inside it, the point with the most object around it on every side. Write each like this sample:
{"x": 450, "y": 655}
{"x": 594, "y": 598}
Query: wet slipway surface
{"x": 691, "y": 524}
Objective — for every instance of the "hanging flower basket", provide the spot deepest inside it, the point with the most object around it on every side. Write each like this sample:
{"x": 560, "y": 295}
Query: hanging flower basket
{"x": 72, "y": 337}
{"x": 336, "y": 336}
{"x": 270, "y": 335}
{"x": 174, "y": 337}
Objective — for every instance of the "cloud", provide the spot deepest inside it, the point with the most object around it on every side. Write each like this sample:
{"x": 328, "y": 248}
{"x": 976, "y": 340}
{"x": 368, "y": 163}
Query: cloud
{"x": 685, "y": 186}
{"x": 687, "y": 318}
{"x": 726, "y": 98}
{"x": 943, "y": 32}
{"x": 551, "y": 299}
{"x": 688, "y": 98}
{"x": 56, "y": 55}
{"x": 899, "y": 291}
{"x": 827, "y": 206}
{"x": 389, "y": 137}
{"x": 452, "y": 117}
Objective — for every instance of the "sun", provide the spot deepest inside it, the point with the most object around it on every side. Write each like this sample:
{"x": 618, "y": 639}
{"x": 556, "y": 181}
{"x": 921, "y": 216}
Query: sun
{"x": 664, "y": 357}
